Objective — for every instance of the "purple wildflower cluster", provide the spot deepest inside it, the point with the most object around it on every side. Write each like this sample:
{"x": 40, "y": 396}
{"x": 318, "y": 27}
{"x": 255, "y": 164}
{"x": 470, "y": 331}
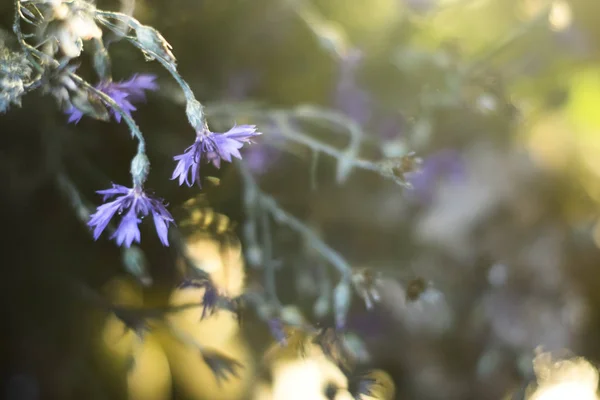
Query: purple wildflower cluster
{"x": 123, "y": 93}
{"x": 134, "y": 203}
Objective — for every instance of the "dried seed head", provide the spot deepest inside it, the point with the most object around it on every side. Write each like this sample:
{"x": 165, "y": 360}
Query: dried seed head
{"x": 415, "y": 288}
{"x": 14, "y": 70}
{"x": 397, "y": 168}
{"x": 367, "y": 283}
{"x": 69, "y": 24}
{"x": 151, "y": 40}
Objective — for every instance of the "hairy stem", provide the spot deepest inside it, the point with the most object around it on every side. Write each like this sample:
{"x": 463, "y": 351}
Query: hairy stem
{"x": 268, "y": 204}
{"x": 133, "y": 128}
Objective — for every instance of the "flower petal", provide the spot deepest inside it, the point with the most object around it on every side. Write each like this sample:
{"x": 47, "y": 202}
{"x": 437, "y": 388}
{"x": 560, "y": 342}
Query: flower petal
{"x": 128, "y": 230}
{"x": 114, "y": 191}
{"x": 100, "y": 219}
{"x": 187, "y": 165}
{"x": 162, "y": 228}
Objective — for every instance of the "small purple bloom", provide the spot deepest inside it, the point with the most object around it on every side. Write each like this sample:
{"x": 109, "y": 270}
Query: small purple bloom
{"x": 210, "y": 298}
{"x": 349, "y": 97}
{"x": 74, "y": 115}
{"x": 277, "y": 330}
{"x": 365, "y": 386}
{"x": 443, "y": 165}
{"x": 123, "y": 93}
{"x": 391, "y": 128}
{"x": 263, "y": 155}
{"x": 212, "y": 148}
{"x": 135, "y": 204}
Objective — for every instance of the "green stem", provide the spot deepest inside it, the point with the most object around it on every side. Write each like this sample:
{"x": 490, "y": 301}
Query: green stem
{"x": 187, "y": 91}
{"x": 268, "y": 204}
{"x": 28, "y": 49}
{"x": 135, "y": 130}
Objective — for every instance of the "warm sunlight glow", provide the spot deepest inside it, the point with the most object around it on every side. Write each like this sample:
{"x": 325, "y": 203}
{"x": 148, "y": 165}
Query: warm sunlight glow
{"x": 560, "y": 15}
{"x": 302, "y": 377}
{"x": 565, "y": 379}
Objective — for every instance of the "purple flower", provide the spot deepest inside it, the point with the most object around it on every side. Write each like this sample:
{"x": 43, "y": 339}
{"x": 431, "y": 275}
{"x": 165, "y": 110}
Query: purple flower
{"x": 134, "y": 204}
{"x": 123, "y": 93}
{"x": 390, "y": 128}
{"x": 349, "y": 97}
{"x": 443, "y": 165}
{"x": 263, "y": 155}
{"x": 277, "y": 330}
{"x": 211, "y": 147}
{"x": 210, "y": 298}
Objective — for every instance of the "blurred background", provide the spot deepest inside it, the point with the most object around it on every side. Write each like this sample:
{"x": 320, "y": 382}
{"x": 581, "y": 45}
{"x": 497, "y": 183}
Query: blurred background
{"x": 499, "y": 98}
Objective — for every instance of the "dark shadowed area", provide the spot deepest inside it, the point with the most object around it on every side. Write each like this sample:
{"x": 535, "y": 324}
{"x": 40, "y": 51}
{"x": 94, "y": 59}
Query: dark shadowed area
{"x": 436, "y": 162}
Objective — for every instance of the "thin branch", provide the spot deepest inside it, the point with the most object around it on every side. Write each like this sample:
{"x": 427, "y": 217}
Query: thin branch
{"x": 133, "y": 128}
{"x": 28, "y": 49}
{"x": 268, "y": 264}
{"x": 519, "y": 32}
{"x": 268, "y": 204}
{"x": 348, "y": 157}
{"x": 195, "y": 110}
{"x": 331, "y": 38}
{"x": 220, "y": 364}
